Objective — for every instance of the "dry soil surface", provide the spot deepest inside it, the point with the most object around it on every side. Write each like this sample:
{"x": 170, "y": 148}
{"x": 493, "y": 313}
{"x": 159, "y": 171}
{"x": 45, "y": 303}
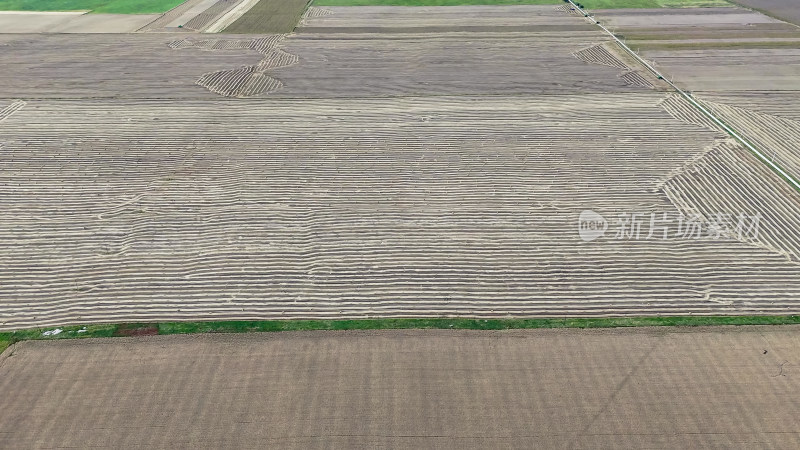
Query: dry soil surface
{"x": 635, "y": 388}
{"x": 343, "y": 174}
{"x": 749, "y": 60}
{"x": 71, "y": 22}
{"x": 783, "y": 9}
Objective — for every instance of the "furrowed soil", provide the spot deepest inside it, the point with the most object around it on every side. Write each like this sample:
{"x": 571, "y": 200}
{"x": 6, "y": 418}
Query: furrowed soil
{"x": 270, "y": 16}
{"x": 751, "y": 64}
{"x": 379, "y": 162}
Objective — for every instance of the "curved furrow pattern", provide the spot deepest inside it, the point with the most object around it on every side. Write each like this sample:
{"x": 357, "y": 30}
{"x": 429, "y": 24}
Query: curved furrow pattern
{"x": 728, "y": 179}
{"x": 211, "y": 14}
{"x": 776, "y": 137}
{"x": 680, "y": 108}
{"x": 635, "y": 78}
{"x": 599, "y": 54}
{"x": 313, "y": 12}
{"x": 241, "y": 82}
{"x": 327, "y": 208}
{"x": 245, "y": 81}
{"x": 275, "y": 59}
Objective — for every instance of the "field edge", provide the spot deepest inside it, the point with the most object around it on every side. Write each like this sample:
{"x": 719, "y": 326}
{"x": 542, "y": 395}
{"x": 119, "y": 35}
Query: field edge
{"x": 237, "y": 326}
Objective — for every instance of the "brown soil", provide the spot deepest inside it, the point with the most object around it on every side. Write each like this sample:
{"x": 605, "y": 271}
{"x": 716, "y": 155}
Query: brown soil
{"x": 625, "y": 388}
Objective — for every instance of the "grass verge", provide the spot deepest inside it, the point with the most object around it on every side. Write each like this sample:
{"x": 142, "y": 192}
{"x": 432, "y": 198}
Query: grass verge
{"x": 5, "y": 341}
{"x": 167, "y": 328}
{"x": 95, "y": 6}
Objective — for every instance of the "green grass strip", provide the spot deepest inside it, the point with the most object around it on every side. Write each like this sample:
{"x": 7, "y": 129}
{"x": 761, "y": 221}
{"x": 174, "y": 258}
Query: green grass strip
{"x": 168, "y": 328}
{"x": 5, "y": 341}
{"x": 465, "y": 324}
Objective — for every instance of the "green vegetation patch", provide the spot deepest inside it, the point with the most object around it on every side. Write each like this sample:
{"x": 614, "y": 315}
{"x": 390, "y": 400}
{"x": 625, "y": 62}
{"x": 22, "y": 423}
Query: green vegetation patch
{"x": 464, "y": 324}
{"x": 70, "y": 332}
{"x": 139, "y": 329}
{"x": 96, "y": 6}
{"x": 5, "y": 341}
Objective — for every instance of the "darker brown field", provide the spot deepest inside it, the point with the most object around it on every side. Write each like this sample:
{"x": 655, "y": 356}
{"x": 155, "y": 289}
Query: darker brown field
{"x": 632, "y": 388}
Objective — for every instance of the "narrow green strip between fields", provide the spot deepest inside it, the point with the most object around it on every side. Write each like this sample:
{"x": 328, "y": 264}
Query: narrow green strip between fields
{"x": 168, "y": 328}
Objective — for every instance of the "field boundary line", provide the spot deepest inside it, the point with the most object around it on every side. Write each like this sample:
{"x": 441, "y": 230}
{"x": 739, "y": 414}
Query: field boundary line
{"x": 785, "y": 175}
{"x": 128, "y": 329}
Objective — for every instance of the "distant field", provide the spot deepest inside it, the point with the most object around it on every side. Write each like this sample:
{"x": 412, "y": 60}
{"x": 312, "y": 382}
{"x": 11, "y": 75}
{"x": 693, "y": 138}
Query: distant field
{"x": 270, "y": 16}
{"x": 782, "y": 9}
{"x": 612, "y": 4}
{"x": 97, "y": 6}
{"x": 590, "y": 4}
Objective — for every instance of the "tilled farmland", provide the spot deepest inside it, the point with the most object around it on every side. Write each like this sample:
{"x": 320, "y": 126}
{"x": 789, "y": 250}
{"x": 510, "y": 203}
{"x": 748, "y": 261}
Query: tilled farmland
{"x": 364, "y": 167}
{"x": 420, "y": 207}
{"x": 270, "y": 16}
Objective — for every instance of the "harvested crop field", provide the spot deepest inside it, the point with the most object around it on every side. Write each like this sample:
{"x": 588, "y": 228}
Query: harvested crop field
{"x": 746, "y": 74}
{"x": 363, "y": 208}
{"x": 622, "y": 388}
{"x": 270, "y": 17}
{"x": 394, "y": 172}
{"x": 783, "y": 9}
{"x": 70, "y": 22}
{"x": 110, "y": 66}
{"x": 194, "y": 15}
{"x": 391, "y": 20}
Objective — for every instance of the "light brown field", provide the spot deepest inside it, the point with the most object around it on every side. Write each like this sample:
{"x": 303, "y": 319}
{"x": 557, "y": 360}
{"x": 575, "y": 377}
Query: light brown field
{"x": 782, "y": 9}
{"x": 71, "y": 22}
{"x": 741, "y": 64}
{"x": 642, "y": 388}
{"x": 337, "y": 173}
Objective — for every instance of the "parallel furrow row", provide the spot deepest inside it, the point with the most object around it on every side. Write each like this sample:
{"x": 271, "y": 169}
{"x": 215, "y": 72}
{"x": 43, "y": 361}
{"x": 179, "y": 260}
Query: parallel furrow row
{"x": 599, "y": 54}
